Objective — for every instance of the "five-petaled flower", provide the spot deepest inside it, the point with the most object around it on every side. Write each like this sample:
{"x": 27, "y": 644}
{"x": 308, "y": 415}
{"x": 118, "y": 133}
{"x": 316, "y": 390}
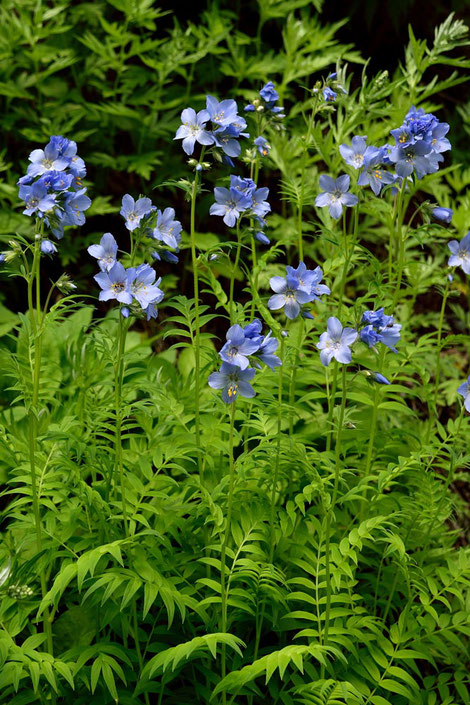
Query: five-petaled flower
{"x": 335, "y": 195}
{"x": 239, "y": 346}
{"x": 193, "y": 129}
{"x": 289, "y": 295}
{"x": 335, "y": 342}
{"x": 233, "y": 381}
{"x": 460, "y": 256}
{"x": 142, "y": 285}
{"x": 134, "y": 211}
{"x": 105, "y": 252}
{"x": 230, "y": 203}
{"x": 114, "y": 284}
{"x": 167, "y": 229}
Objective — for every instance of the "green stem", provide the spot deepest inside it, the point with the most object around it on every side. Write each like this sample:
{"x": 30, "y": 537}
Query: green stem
{"x": 332, "y": 506}
{"x": 119, "y": 375}
{"x": 278, "y": 452}
{"x": 401, "y": 242}
{"x": 232, "y": 276}
{"x": 370, "y": 448}
{"x": 331, "y": 406}
{"x": 223, "y": 553}
{"x": 33, "y": 417}
{"x": 293, "y": 374}
{"x": 197, "y": 342}
{"x": 439, "y": 338}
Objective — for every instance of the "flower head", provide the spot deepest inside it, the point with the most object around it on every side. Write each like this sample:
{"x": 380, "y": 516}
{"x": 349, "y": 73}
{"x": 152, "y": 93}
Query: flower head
{"x": 134, "y": 211}
{"x": 289, "y": 295}
{"x": 142, "y": 285}
{"x": 105, "y": 252}
{"x": 239, "y": 346}
{"x": 309, "y": 280}
{"x": 230, "y": 203}
{"x": 47, "y": 247}
{"x": 443, "y": 214}
{"x": 335, "y": 342}
{"x": 464, "y": 391}
{"x": 380, "y": 328}
{"x": 335, "y": 195}
{"x": 114, "y": 284}
{"x": 262, "y": 145}
{"x": 329, "y": 95}
{"x": 358, "y": 152}
{"x": 167, "y": 229}
{"x": 36, "y": 199}
{"x": 193, "y": 129}
{"x": 233, "y": 381}
{"x": 460, "y": 256}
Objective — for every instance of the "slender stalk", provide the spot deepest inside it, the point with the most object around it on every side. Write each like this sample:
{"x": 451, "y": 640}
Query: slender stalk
{"x": 302, "y": 185}
{"x": 278, "y": 452}
{"x": 331, "y": 406}
{"x": 349, "y": 251}
{"x": 36, "y": 319}
{"x": 232, "y": 276}
{"x": 293, "y": 375}
{"x": 223, "y": 553}
{"x": 119, "y": 375}
{"x": 330, "y": 510}
{"x": 197, "y": 342}
{"x": 439, "y": 339}
{"x": 370, "y": 447}
{"x": 400, "y": 239}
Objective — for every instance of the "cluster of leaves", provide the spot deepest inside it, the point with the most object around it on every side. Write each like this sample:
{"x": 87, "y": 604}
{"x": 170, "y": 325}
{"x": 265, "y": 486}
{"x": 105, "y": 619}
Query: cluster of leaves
{"x": 135, "y": 614}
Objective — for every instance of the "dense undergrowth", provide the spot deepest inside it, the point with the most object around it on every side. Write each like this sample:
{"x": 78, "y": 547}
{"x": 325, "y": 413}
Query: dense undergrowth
{"x": 184, "y": 518}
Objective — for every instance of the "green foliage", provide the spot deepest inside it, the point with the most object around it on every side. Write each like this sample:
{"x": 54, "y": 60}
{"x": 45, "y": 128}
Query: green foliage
{"x": 342, "y": 569}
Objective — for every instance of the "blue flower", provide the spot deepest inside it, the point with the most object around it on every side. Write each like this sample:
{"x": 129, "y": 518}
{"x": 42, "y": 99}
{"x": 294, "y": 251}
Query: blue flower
{"x": 245, "y": 186}
{"x": 372, "y": 174}
{"x": 329, "y": 95}
{"x": 75, "y": 204}
{"x": 36, "y": 199}
{"x": 238, "y": 347}
{"x": 309, "y": 280}
{"x": 193, "y": 129}
{"x": 114, "y": 284}
{"x": 56, "y": 180}
{"x": 263, "y": 147}
{"x": 379, "y": 378}
{"x": 335, "y": 342}
{"x": 266, "y": 352}
{"x": 233, "y": 381}
{"x": 358, "y": 153}
{"x": 439, "y": 142}
{"x": 226, "y": 139}
{"x": 167, "y": 229}
{"x": 380, "y": 329}
{"x": 261, "y": 237}
{"x": 464, "y": 391}
{"x": 134, "y": 211}
{"x": 335, "y": 195}
{"x": 288, "y": 295}
{"x": 414, "y": 157}
{"x": 460, "y": 256}
{"x": 222, "y": 114}
{"x": 142, "y": 285}
{"x": 46, "y": 159}
{"x": 105, "y": 252}
{"x": 269, "y": 94}
{"x": 47, "y": 247}
{"x": 260, "y": 206}
{"x": 444, "y": 214}
{"x": 230, "y": 204}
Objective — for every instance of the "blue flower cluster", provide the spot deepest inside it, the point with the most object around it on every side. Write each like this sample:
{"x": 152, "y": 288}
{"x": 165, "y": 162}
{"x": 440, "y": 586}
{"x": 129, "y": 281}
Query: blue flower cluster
{"x": 380, "y": 328}
{"x": 268, "y": 97}
{"x": 299, "y": 287}
{"x": 52, "y": 187}
{"x": 144, "y": 217}
{"x": 134, "y": 286}
{"x": 235, "y": 375}
{"x": 335, "y": 342}
{"x": 227, "y": 128}
{"x": 243, "y": 197}
{"x": 418, "y": 148}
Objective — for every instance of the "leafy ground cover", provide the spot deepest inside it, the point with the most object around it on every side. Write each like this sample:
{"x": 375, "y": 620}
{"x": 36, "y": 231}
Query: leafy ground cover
{"x": 234, "y": 420}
